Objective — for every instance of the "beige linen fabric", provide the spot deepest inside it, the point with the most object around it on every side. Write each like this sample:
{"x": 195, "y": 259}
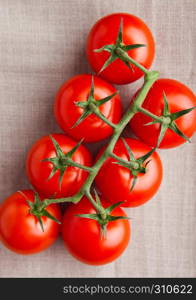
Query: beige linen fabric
{"x": 41, "y": 45}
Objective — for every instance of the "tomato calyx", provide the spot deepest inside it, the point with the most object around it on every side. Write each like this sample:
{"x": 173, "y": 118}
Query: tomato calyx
{"x": 167, "y": 120}
{"x": 91, "y": 106}
{"x": 38, "y": 210}
{"x": 103, "y": 218}
{"x": 118, "y": 50}
{"x": 62, "y": 160}
{"x": 135, "y": 166}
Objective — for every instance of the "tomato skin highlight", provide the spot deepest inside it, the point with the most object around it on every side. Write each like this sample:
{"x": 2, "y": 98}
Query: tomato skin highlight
{"x": 115, "y": 181}
{"x": 20, "y": 231}
{"x": 82, "y": 236}
{"x": 179, "y": 97}
{"x": 77, "y": 88}
{"x": 39, "y": 171}
{"x": 105, "y": 32}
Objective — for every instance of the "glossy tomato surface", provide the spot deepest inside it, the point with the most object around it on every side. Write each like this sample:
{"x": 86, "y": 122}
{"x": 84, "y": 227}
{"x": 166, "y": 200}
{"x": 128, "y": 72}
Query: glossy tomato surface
{"x": 20, "y": 231}
{"x": 115, "y": 181}
{"x": 105, "y": 32}
{"x": 82, "y": 236}
{"x": 38, "y": 171}
{"x": 77, "y": 89}
{"x": 179, "y": 97}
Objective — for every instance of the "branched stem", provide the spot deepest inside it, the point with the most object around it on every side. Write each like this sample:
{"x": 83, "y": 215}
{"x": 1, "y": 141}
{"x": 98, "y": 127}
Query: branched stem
{"x": 75, "y": 164}
{"x": 97, "y": 206}
{"x": 149, "y": 79}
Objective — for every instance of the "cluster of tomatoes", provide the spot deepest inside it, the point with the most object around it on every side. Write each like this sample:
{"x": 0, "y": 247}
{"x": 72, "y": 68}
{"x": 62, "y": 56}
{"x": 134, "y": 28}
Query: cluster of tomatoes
{"x": 88, "y": 107}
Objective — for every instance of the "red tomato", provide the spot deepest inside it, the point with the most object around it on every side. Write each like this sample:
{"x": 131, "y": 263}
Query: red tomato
{"x": 82, "y": 238}
{"x": 105, "y": 32}
{"x": 67, "y": 113}
{"x": 20, "y": 231}
{"x": 179, "y": 98}
{"x": 115, "y": 181}
{"x": 38, "y": 171}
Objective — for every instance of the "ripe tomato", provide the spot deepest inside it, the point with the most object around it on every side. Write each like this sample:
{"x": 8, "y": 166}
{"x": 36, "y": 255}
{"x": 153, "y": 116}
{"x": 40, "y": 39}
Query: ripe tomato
{"x": 105, "y": 32}
{"x": 115, "y": 181}
{"x": 20, "y": 231}
{"x": 39, "y": 171}
{"x": 82, "y": 238}
{"x": 179, "y": 97}
{"x": 67, "y": 113}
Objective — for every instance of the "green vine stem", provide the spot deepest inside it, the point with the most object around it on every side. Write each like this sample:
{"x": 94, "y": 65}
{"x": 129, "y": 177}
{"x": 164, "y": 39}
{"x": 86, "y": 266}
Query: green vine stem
{"x": 149, "y": 114}
{"x": 91, "y": 106}
{"x": 149, "y": 79}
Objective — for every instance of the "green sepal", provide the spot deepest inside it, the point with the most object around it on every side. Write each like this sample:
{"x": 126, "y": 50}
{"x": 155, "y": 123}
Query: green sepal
{"x": 37, "y": 200}
{"x": 163, "y": 130}
{"x": 124, "y": 164}
{"x": 54, "y": 169}
{"x": 151, "y": 123}
{"x": 110, "y": 60}
{"x": 166, "y": 105}
{"x": 62, "y": 160}
{"x": 81, "y": 104}
{"x": 40, "y": 222}
{"x": 103, "y": 231}
{"x": 30, "y": 204}
{"x": 180, "y": 113}
{"x": 62, "y": 172}
{"x": 119, "y": 39}
{"x": 133, "y": 46}
{"x": 74, "y": 149}
{"x": 174, "y": 127}
{"x": 95, "y": 217}
{"x": 114, "y": 218}
{"x": 58, "y": 150}
{"x": 111, "y": 48}
{"x": 147, "y": 163}
{"x": 52, "y": 159}
{"x": 142, "y": 159}
{"x": 92, "y": 89}
{"x": 103, "y": 220}
{"x": 38, "y": 210}
{"x": 128, "y": 65}
{"x": 84, "y": 115}
{"x": 131, "y": 156}
{"x": 45, "y": 213}
{"x": 108, "y": 48}
{"x": 106, "y": 99}
{"x": 133, "y": 183}
{"x": 90, "y": 106}
{"x": 109, "y": 209}
{"x": 134, "y": 165}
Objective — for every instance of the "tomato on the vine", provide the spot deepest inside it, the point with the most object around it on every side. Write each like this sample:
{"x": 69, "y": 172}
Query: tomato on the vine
{"x": 82, "y": 236}
{"x": 135, "y": 185}
{"x": 20, "y": 231}
{"x": 47, "y": 169}
{"x": 179, "y": 97}
{"x": 136, "y": 40}
{"x": 77, "y": 121}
